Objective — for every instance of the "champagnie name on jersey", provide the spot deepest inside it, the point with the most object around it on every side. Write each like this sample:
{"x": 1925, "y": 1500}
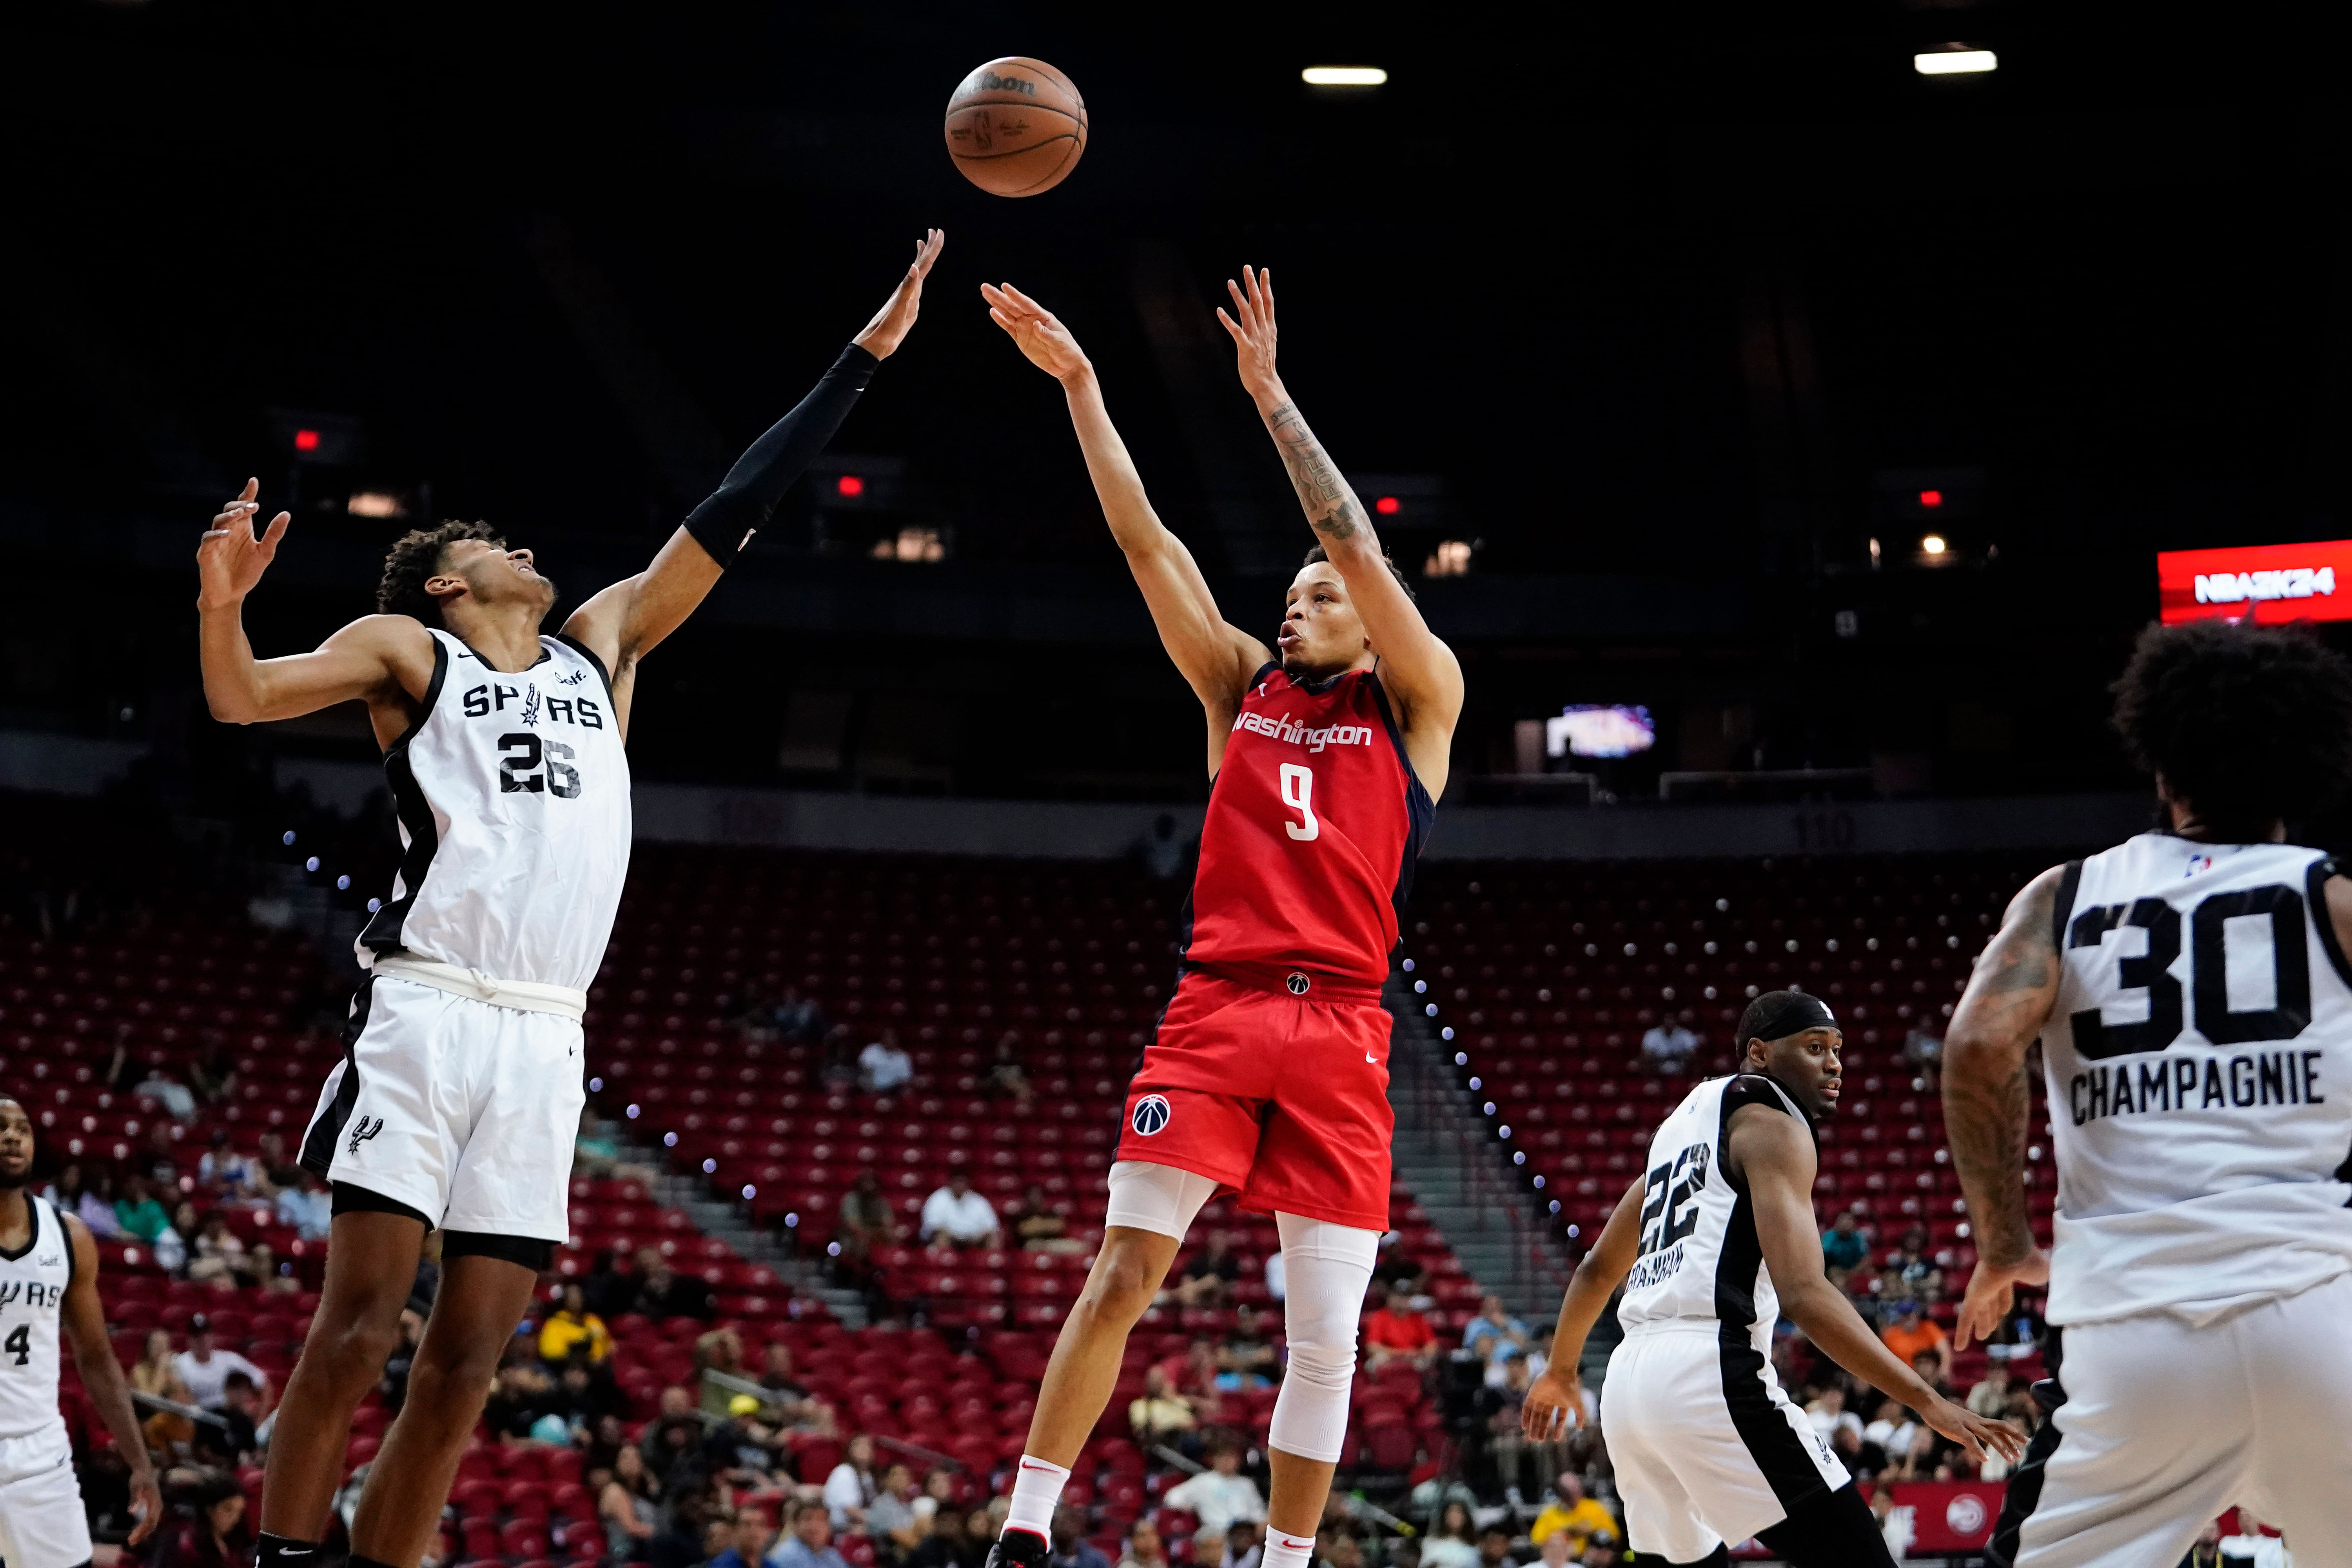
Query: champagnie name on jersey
{"x": 1297, "y": 734}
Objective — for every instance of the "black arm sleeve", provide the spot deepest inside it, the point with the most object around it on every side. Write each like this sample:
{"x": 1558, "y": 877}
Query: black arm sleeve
{"x": 724, "y": 524}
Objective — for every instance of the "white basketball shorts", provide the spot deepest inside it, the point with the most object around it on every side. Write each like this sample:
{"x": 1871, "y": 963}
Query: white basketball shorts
{"x": 42, "y": 1521}
{"x": 462, "y": 1110}
{"x": 2166, "y": 1424}
{"x": 1707, "y": 1448}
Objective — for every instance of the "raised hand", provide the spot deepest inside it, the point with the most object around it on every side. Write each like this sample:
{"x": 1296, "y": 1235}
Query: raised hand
{"x": 1252, "y": 325}
{"x": 888, "y": 327}
{"x": 1035, "y": 330}
{"x": 230, "y": 560}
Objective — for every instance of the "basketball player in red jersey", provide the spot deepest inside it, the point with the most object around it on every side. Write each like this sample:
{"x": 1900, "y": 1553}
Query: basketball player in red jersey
{"x": 1268, "y": 1074}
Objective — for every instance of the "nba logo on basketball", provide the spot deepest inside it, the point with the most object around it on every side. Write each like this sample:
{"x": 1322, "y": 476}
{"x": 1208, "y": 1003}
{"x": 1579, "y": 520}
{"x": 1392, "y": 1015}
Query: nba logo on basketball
{"x": 1151, "y": 1115}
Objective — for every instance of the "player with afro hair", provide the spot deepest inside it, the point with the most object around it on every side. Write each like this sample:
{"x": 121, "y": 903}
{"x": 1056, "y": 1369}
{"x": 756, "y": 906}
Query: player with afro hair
{"x": 2249, "y": 728}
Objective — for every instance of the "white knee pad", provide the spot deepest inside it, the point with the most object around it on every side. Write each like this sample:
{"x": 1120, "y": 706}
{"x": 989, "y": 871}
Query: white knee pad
{"x": 1329, "y": 1266}
{"x": 1160, "y": 1198}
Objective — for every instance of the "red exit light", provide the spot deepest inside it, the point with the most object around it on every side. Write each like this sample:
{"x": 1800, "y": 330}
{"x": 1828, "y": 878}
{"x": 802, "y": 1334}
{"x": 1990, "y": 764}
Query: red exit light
{"x": 1931, "y": 498}
{"x": 306, "y": 440}
{"x": 850, "y": 485}
{"x": 1386, "y": 506}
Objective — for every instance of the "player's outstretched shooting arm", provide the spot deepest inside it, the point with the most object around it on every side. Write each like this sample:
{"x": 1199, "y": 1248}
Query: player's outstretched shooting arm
{"x": 1215, "y": 658}
{"x": 1423, "y": 677}
{"x": 1772, "y": 1154}
{"x": 387, "y": 660}
{"x": 1987, "y": 1101}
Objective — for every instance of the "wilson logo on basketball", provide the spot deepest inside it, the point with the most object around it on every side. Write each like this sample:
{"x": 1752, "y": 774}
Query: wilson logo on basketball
{"x": 1151, "y": 1115}
{"x": 989, "y": 82}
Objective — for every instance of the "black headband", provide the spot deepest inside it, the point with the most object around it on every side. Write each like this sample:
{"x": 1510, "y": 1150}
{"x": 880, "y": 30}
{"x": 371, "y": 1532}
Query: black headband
{"x": 1777, "y": 1015}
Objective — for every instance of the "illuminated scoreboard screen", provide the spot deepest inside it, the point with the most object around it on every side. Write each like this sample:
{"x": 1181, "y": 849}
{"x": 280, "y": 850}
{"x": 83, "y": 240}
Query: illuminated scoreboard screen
{"x": 2270, "y": 583}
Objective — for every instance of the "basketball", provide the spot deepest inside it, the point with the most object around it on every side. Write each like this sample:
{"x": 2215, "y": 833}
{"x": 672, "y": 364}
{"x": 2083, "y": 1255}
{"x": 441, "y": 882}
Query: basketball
{"x": 1016, "y": 126}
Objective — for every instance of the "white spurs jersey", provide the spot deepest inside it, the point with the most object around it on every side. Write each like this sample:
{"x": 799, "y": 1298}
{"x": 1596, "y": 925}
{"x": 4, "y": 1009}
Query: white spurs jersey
{"x": 513, "y": 798}
{"x": 1700, "y": 1265}
{"x": 2199, "y": 1068}
{"x": 32, "y": 1298}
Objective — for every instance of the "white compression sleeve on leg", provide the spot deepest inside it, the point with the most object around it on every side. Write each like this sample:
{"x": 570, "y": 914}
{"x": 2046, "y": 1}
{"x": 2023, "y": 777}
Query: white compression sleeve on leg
{"x": 1144, "y": 1197}
{"x": 1329, "y": 1266}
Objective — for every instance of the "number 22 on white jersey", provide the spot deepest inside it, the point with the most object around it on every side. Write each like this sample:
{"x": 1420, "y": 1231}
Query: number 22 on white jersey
{"x": 1298, "y": 793}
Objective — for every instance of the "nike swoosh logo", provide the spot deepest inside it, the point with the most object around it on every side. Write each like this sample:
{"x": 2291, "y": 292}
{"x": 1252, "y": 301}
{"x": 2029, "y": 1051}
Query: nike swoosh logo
{"x": 1373, "y": 1060}
{"x": 1028, "y": 1466}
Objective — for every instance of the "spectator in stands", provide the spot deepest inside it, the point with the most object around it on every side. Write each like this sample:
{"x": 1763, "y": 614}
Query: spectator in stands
{"x": 1208, "y": 1278}
{"x": 2207, "y": 1551}
{"x": 1143, "y": 1547}
{"x": 154, "y": 1373}
{"x": 306, "y": 1205}
{"x": 1893, "y": 1432}
{"x": 955, "y": 1215}
{"x": 519, "y": 1398}
{"x": 1914, "y": 1268}
{"x": 169, "y": 1092}
{"x": 1246, "y": 1358}
{"x": 1038, "y": 1226}
{"x": 1194, "y": 1375}
{"x": 866, "y": 1221}
{"x": 137, "y": 1213}
{"x": 235, "y": 1443}
{"x": 1220, "y": 1495}
{"x": 958, "y": 1539}
{"x": 1397, "y": 1330}
{"x": 627, "y": 1505}
{"x": 1448, "y": 1543}
{"x": 1912, "y": 1334}
{"x": 1841, "y": 1428}
{"x": 220, "y": 1256}
{"x": 1338, "y": 1549}
{"x": 219, "y": 1536}
{"x": 1161, "y": 1413}
{"x": 572, "y": 1328}
{"x": 1007, "y": 1079}
{"x": 1495, "y": 1547}
{"x": 1512, "y": 1447}
{"x": 204, "y": 1367}
{"x": 884, "y": 1065}
{"x": 1990, "y": 1396}
{"x": 663, "y": 1292}
{"x": 224, "y": 1172}
{"x": 1668, "y": 1046}
{"x": 1843, "y": 1245}
{"x": 890, "y": 1517}
{"x": 1069, "y": 1548}
{"x": 1582, "y": 1519}
{"x": 1495, "y": 1337}
{"x": 850, "y": 1486}
{"x": 746, "y": 1541}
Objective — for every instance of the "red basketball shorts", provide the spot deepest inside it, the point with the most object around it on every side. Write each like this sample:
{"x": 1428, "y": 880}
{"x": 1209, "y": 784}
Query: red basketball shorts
{"x": 1279, "y": 1097}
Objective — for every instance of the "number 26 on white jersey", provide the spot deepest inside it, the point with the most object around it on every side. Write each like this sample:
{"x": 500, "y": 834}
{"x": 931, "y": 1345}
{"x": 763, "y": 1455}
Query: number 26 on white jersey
{"x": 1298, "y": 793}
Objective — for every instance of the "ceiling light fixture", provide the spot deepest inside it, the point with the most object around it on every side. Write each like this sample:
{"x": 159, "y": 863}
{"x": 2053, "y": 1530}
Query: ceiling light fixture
{"x": 1955, "y": 59}
{"x": 1343, "y": 76}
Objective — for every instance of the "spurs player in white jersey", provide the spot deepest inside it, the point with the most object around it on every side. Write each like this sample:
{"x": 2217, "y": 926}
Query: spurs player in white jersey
{"x": 48, "y": 1289}
{"x": 1714, "y": 1243}
{"x": 2191, "y": 994}
{"x": 460, "y": 1097}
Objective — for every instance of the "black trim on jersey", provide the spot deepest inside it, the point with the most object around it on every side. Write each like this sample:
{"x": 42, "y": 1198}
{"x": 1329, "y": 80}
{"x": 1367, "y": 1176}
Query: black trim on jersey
{"x": 318, "y": 1143}
{"x": 476, "y": 655}
{"x": 584, "y": 651}
{"x": 534, "y": 1253}
{"x": 2023, "y": 1494}
{"x": 32, "y": 1227}
{"x": 1779, "y": 1453}
{"x": 2068, "y": 885}
{"x": 2315, "y": 906}
{"x": 415, "y": 812}
{"x": 65, "y": 1234}
{"x": 1420, "y": 810}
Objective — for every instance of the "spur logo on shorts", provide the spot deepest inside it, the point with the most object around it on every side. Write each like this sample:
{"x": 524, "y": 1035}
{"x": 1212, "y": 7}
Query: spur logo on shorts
{"x": 1151, "y": 1115}
{"x": 365, "y": 1128}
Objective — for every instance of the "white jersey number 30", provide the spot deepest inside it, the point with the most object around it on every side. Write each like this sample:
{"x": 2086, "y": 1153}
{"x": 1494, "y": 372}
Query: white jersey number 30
{"x": 1298, "y": 793}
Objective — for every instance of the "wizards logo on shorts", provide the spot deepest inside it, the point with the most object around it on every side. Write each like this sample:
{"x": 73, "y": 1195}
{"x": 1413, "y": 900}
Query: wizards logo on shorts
{"x": 1150, "y": 1114}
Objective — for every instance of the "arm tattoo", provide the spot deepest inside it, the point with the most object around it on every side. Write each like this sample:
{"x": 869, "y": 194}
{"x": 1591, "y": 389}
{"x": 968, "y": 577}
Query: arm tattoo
{"x": 1986, "y": 1098}
{"x": 1313, "y": 475}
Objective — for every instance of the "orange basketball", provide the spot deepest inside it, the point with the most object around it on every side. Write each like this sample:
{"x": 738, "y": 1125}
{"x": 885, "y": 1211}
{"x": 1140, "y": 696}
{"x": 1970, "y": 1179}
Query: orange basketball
{"x": 1016, "y": 126}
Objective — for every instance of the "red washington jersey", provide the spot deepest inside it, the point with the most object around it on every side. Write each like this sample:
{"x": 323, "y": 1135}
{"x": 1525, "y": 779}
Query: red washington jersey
{"x": 1313, "y": 827}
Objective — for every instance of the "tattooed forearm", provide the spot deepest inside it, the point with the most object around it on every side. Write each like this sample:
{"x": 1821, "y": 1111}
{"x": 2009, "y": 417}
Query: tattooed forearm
{"x": 1986, "y": 1101}
{"x": 1330, "y": 507}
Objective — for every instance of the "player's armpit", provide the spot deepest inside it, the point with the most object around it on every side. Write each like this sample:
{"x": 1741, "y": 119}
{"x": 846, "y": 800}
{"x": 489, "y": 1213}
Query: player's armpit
{"x": 627, "y": 621}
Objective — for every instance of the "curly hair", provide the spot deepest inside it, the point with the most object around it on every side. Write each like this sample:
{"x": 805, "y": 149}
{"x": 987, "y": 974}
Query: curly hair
{"x": 1320, "y": 554}
{"x": 414, "y": 557}
{"x": 2249, "y": 725}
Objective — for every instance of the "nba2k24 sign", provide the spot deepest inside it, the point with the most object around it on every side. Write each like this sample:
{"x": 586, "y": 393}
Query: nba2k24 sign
{"x": 2267, "y": 582}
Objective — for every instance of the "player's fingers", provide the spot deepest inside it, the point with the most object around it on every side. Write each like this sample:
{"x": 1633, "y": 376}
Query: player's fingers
{"x": 277, "y": 526}
{"x": 252, "y": 489}
{"x": 1018, "y": 298}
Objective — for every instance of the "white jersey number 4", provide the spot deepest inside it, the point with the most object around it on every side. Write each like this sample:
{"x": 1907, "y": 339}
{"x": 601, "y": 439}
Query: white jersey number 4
{"x": 1298, "y": 793}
